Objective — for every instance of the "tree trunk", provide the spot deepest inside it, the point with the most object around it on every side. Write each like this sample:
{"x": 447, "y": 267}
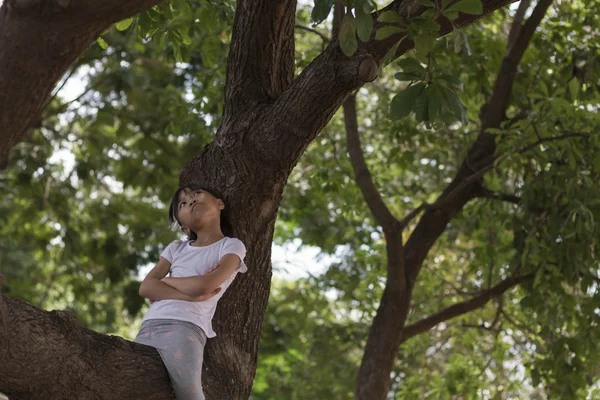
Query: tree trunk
{"x": 46, "y": 355}
{"x": 387, "y": 330}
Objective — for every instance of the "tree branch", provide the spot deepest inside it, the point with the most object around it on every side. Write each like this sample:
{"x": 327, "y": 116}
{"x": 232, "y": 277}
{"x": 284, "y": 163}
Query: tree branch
{"x": 510, "y": 198}
{"x": 324, "y": 38}
{"x": 493, "y": 113}
{"x": 261, "y": 55}
{"x": 481, "y": 155}
{"x": 554, "y": 138}
{"x": 462, "y": 308}
{"x": 283, "y": 130}
{"x": 363, "y": 177}
{"x": 39, "y": 40}
{"x": 517, "y": 24}
{"x": 41, "y": 348}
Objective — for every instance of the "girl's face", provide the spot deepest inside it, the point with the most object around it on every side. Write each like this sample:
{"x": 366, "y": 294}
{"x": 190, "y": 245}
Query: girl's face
{"x": 198, "y": 209}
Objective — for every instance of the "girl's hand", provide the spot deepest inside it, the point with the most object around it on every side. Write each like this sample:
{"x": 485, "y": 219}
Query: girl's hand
{"x": 211, "y": 269}
{"x": 207, "y": 296}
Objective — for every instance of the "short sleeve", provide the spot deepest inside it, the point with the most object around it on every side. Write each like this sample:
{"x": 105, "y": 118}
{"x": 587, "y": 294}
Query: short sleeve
{"x": 235, "y": 246}
{"x": 169, "y": 252}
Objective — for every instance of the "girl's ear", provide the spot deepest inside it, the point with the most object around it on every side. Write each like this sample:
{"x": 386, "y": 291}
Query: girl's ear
{"x": 185, "y": 230}
{"x": 221, "y": 205}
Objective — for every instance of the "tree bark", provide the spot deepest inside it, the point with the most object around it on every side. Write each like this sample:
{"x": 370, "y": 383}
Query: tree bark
{"x": 265, "y": 131}
{"x": 47, "y": 355}
{"x": 39, "y": 40}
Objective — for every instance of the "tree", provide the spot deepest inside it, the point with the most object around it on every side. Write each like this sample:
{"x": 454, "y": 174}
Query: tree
{"x": 261, "y": 101}
{"x": 534, "y": 266}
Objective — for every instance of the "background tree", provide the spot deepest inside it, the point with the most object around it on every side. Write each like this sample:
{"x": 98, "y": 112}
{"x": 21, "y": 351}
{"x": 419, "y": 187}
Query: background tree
{"x": 125, "y": 128}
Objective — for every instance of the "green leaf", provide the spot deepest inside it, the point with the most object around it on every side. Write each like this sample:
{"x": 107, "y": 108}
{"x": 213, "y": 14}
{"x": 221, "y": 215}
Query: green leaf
{"x": 165, "y": 10}
{"x": 457, "y": 39}
{"x": 466, "y": 42}
{"x": 424, "y": 44}
{"x": 389, "y": 56}
{"x": 102, "y": 43}
{"x": 427, "y": 24}
{"x": 452, "y": 80}
{"x": 364, "y": 24}
{"x": 456, "y": 106}
{"x": 403, "y": 103}
{"x": 436, "y": 101}
{"x": 406, "y": 76}
{"x": 422, "y": 106}
{"x": 177, "y": 53}
{"x": 544, "y": 88}
{"x": 474, "y": 7}
{"x": 389, "y": 16}
{"x": 574, "y": 88}
{"x": 144, "y": 23}
{"x": 387, "y": 31}
{"x": 413, "y": 65}
{"x": 452, "y": 15}
{"x": 348, "y": 42}
{"x": 321, "y": 10}
{"x": 123, "y": 25}
{"x": 538, "y": 277}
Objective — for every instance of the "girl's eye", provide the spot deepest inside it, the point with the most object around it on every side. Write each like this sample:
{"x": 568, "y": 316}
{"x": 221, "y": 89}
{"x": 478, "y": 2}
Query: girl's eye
{"x": 196, "y": 193}
{"x": 181, "y": 204}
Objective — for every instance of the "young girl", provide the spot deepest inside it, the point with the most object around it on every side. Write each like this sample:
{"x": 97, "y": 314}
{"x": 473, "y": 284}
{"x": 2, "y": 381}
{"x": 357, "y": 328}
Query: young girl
{"x": 202, "y": 268}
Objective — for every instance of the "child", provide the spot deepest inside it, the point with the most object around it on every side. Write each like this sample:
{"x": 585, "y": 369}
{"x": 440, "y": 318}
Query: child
{"x": 202, "y": 268}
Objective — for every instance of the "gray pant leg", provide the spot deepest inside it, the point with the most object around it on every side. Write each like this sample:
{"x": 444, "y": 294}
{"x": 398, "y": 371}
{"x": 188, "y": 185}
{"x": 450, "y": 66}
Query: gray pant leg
{"x": 181, "y": 347}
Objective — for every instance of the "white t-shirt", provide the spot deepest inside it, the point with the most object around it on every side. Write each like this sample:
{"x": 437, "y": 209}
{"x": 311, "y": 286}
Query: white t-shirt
{"x": 187, "y": 261}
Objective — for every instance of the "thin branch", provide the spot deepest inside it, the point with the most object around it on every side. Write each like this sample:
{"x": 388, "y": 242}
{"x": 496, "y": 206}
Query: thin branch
{"x": 494, "y": 111}
{"x": 553, "y": 138}
{"x": 363, "y": 177}
{"x": 517, "y": 24}
{"x": 324, "y": 38}
{"x": 64, "y": 82}
{"x": 462, "y": 308}
{"x": 413, "y": 214}
{"x": 510, "y": 198}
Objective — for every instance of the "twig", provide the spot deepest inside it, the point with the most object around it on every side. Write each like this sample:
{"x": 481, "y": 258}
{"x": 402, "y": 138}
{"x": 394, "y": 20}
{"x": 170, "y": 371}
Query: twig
{"x": 316, "y": 32}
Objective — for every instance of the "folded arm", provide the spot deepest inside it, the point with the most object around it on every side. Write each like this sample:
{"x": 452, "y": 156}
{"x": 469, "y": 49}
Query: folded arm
{"x": 153, "y": 288}
{"x": 206, "y": 284}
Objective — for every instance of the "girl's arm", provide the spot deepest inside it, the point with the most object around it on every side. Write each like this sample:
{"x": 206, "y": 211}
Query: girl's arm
{"x": 207, "y": 284}
{"x": 153, "y": 288}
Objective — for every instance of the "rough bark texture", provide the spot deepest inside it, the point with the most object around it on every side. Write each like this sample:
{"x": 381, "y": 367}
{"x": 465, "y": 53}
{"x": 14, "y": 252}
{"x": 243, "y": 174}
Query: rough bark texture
{"x": 269, "y": 121}
{"x": 46, "y": 355}
{"x": 39, "y": 39}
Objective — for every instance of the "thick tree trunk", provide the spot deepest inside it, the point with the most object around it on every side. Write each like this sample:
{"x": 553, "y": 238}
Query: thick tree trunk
{"x": 46, "y": 355}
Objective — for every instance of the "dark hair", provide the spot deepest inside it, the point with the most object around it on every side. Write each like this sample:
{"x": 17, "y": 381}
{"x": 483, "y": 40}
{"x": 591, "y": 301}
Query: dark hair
{"x": 174, "y": 210}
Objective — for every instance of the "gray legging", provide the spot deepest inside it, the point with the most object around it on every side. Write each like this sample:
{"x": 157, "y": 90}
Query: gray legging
{"x": 181, "y": 347}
